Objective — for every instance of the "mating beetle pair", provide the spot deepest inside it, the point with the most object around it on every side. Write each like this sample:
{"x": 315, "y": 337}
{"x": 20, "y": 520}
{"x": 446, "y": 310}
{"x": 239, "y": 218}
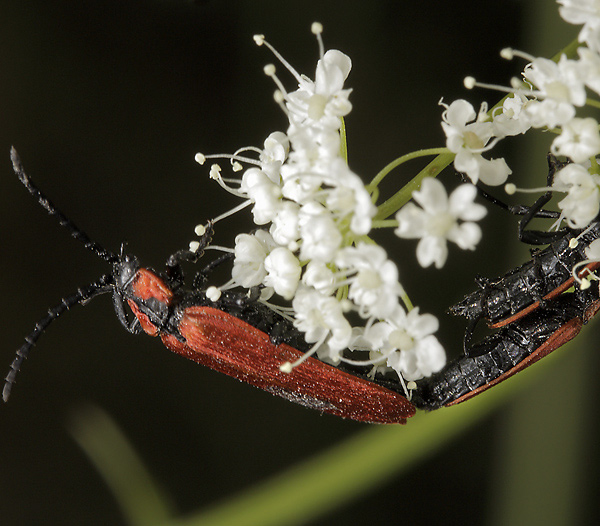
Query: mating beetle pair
{"x": 242, "y": 338}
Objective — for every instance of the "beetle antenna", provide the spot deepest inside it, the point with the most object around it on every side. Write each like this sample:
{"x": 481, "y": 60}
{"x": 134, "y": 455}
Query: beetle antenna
{"x": 83, "y": 294}
{"x": 75, "y": 231}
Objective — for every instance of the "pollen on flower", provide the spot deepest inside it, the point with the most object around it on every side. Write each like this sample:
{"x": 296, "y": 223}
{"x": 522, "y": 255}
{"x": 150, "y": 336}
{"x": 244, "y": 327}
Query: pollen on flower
{"x": 200, "y": 158}
{"x": 507, "y": 53}
{"x": 259, "y": 39}
{"x": 510, "y": 188}
{"x": 194, "y": 246}
{"x": 269, "y": 70}
{"x": 316, "y": 28}
{"x": 236, "y": 166}
{"x": 200, "y": 230}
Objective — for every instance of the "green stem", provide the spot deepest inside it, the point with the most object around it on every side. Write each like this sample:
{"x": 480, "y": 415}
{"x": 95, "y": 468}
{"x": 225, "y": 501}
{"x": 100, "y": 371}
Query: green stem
{"x": 141, "y": 500}
{"x": 343, "y": 141}
{"x": 384, "y": 223}
{"x": 351, "y": 468}
{"x": 593, "y": 103}
{"x": 400, "y": 160}
{"x": 400, "y": 198}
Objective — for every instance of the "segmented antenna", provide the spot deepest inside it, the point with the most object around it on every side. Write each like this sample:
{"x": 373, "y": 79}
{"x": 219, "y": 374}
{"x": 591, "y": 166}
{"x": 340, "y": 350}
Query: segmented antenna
{"x": 75, "y": 231}
{"x": 103, "y": 285}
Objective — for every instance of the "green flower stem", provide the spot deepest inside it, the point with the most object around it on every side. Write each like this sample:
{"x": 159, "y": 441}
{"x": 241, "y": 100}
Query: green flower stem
{"x": 400, "y": 160}
{"x": 400, "y": 198}
{"x": 593, "y": 103}
{"x": 343, "y": 141}
{"x": 385, "y": 223}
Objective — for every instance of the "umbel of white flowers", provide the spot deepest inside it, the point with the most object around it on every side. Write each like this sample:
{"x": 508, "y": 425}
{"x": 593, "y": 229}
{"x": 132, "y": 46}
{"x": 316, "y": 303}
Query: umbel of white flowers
{"x": 316, "y": 214}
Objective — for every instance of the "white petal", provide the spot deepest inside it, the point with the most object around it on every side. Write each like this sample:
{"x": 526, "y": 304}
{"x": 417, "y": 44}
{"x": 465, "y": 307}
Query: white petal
{"x": 432, "y": 196}
{"x": 432, "y": 250}
{"x": 411, "y": 222}
{"x": 462, "y": 204}
{"x": 466, "y": 236}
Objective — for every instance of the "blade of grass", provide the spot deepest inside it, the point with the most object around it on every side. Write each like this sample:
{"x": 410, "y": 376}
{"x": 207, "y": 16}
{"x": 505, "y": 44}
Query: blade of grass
{"x": 141, "y": 500}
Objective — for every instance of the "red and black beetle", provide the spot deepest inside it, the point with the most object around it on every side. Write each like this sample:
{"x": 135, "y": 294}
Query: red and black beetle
{"x": 509, "y": 350}
{"x": 535, "y": 283}
{"x": 235, "y": 334}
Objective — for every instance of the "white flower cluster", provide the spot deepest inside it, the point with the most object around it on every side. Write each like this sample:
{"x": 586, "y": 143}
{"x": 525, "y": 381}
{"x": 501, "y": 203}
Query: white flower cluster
{"x": 314, "y": 249}
{"x": 551, "y": 96}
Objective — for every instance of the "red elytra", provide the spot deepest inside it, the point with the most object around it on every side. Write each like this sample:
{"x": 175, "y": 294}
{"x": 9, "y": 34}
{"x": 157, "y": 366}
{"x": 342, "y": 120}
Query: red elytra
{"x": 232, "y": 346}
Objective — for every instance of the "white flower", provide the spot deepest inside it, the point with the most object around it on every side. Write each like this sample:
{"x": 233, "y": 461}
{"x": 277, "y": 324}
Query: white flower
{"x": 589, "y": 68}
{"x": 374, "y": 283}
{"x": 323, "y": 101}
{"x": 321, "y": 237}
{"x": 467, "y": 135}
{"x": 424, "y": 359}
{"x": 264, "y": 192}
{"x": 586, "y": 12}
{"x": 321, "y": 277}
{"x": 274, "y": 154}
{"x": 579, "y": 140}
{"x": 407, "y": 342}
{"x": 549, "y": 112}
{"x": 348, "y": 197}
{"x": 512, "y": 120}
{"x": 319, "y": 316}
{"x": 437, "y": 220}
{"x": 579, "y": 11}
{"x": 582, "y": 203}
{"x": 592, "y": 251}
{"x": 250, "y": 253}
{"x": 557, "y": 80}
{"x": 284, "y": 228}
{"x": 283, "y": 272}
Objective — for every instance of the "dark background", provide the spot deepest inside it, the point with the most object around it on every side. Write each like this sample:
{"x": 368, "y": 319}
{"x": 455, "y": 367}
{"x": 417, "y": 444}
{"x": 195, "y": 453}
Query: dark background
{"x": 107, "y": 103}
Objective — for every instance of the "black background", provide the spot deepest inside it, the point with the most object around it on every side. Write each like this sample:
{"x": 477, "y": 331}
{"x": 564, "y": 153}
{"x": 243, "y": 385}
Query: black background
{"x": 107, "y": 103}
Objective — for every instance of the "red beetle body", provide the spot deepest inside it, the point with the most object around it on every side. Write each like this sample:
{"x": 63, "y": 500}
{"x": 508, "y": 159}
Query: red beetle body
{"x": 234, "y": 335}
{"x": 228, "y": 344}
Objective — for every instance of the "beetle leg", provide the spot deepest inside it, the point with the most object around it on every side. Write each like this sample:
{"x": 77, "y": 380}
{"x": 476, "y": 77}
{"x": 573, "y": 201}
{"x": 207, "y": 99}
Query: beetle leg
{"x": 202, "y": 276}
{"x": 132, "y": 326}
{"x": 174, "y": 272}
{"x": 468, "y": 336}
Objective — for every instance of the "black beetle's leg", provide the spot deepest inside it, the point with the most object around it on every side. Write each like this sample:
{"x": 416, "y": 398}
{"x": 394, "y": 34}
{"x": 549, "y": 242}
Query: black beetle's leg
{"x": 174, "y": 273}
{"x": 103, "y": 285}
{"x": 202, "y": 276}
{"x": 469, "y": 335}
{"x": 517, "y": 210}
{"x": 132, "y": 326}
{"x": 536, "y": 210}
{"x": 538, "y": 237}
